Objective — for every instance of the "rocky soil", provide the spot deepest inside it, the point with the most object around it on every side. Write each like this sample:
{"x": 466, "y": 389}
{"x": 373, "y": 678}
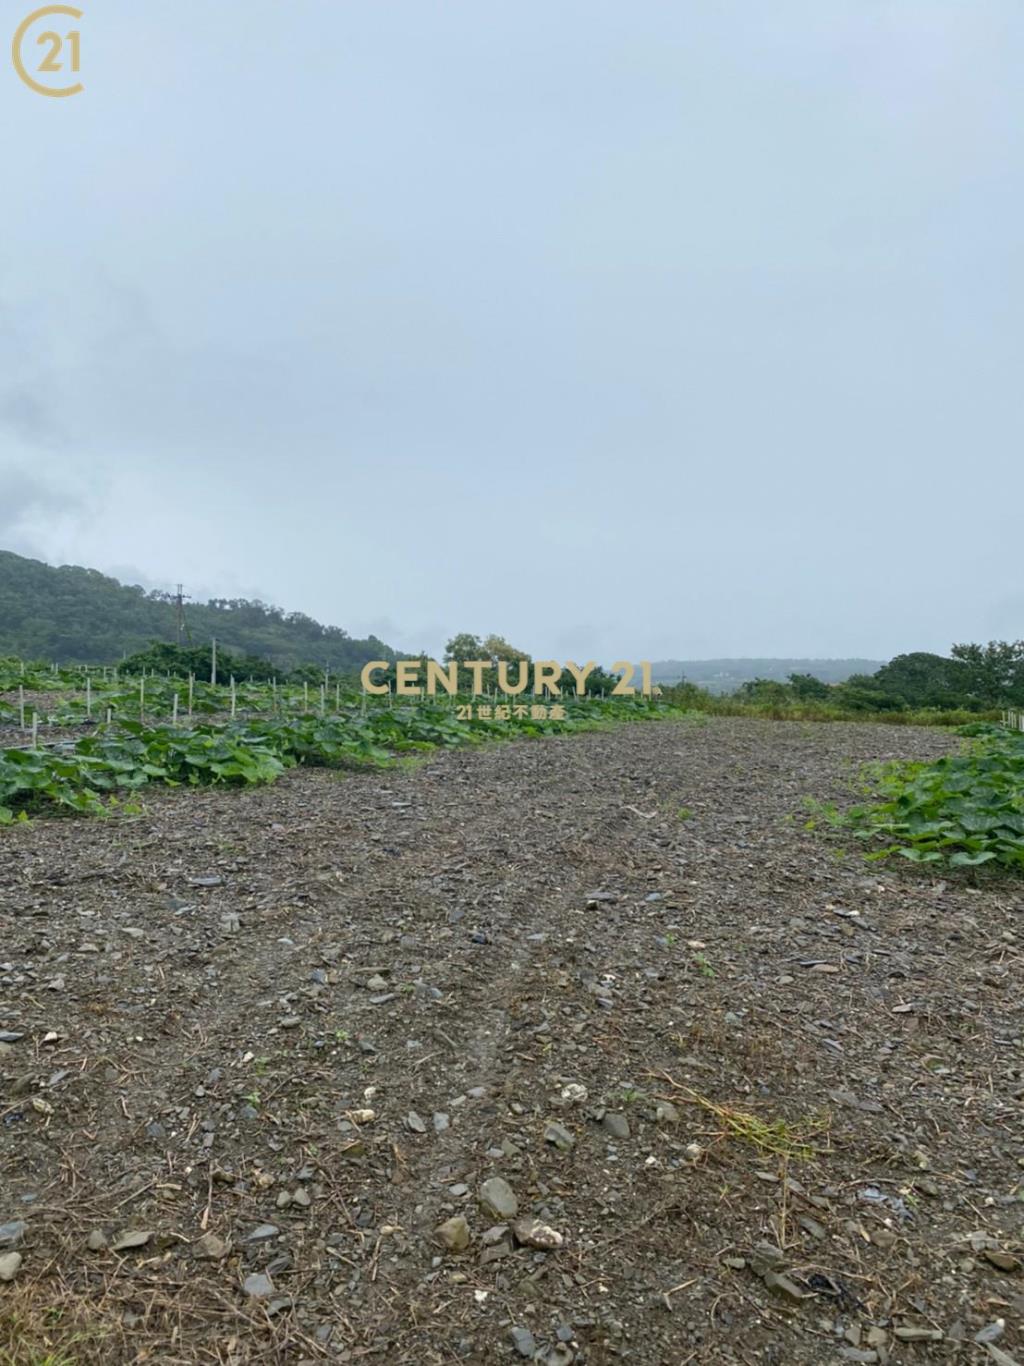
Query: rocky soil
{"x": 579, "y": 1051}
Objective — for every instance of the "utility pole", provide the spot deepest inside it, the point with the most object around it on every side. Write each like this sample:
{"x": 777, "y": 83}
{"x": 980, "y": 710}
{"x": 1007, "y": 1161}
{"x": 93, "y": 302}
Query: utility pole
{"x": 180, "y": 599}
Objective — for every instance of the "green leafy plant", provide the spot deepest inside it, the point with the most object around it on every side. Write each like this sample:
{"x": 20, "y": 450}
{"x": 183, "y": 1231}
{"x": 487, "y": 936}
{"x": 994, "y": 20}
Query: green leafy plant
{"x": 965, "y": 809}
{"x": 85, "y": 775}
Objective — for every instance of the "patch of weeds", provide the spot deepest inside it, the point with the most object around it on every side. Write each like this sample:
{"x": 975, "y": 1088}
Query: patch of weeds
{"x": 685, "y": 813}
{"x": 629, "y": 1095}
{"x": 46, "y": 1324}
{"x": 703, "y": 966}
{"x": 822, "y": 813}
{"x": 775, "y": 1136}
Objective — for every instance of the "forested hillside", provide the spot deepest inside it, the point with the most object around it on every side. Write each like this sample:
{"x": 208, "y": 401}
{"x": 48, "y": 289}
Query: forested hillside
{"x": 73, "y": 615}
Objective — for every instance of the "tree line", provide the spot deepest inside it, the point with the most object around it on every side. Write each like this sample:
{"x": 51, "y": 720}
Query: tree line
{"x": 970, "y": 678}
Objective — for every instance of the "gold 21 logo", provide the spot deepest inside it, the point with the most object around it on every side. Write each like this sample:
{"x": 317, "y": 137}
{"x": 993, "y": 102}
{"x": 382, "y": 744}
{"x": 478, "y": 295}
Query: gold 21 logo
{"x": 60, "y": 51}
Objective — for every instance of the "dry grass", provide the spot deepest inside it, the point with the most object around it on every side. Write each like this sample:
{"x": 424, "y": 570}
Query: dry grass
{"x": 122, "y": 1320}
{"x": 48, "y": 1324}
{"x": 775, "y": 1136}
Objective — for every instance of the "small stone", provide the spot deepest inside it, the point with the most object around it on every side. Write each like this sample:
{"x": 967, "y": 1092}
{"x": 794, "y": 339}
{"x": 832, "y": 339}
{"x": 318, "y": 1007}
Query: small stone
{"x": 262, "y": 1233}
{"x": 131, "y": 1238}
{"x": 992, "y": 1332}
{"x": 861, "y": 1354}
{"x": 96, "y": 1241}
{"x": 1004, "y": 1261}
{"x": 811, "y": 1226}
{"x": 918, "y": 1334}
{"x": 441, "y": 1122}
{"x": 766, "y": 1257}
{"x": 523, "y": 1341}
{"x": 532, "y": 1233}
{"x": 376, "y": 983}
{"x": 498, "y": 1196}
{"x": 258, "y": 1287}
{"x": 617, "y": 1125}
{"x": 454, "y": 1234}
{"x": 666, "y": 1113}
{"x": 575, "y": 1093}
{"x": 10, "y": 1264}
{"x": 559, "y": 1135}
{"x": 10, "y": 1036}
{"x": 210, "y": 1248}
{"x": 414, "y": 1122}
{"x": 11, "y": 1234}
{"x": 301, "y": 1196}
{"x": 782, "y": 1285}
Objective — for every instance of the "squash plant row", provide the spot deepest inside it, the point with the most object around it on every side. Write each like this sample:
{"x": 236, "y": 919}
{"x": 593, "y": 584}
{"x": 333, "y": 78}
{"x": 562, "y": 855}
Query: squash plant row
{"x": 966, "y": 809}
{"x": 86, "y": 775}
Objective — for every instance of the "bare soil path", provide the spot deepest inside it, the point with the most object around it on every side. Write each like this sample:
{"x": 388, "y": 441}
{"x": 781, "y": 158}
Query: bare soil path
{"x": 540, "y": 962}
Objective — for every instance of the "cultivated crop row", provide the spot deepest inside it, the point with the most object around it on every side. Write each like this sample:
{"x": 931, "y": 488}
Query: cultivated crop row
{"x": 85, "y": 775}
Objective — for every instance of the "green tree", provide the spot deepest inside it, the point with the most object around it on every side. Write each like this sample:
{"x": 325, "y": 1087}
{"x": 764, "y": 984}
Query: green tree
{"x": 462, "y": 647}
{"x": 807, "y": 688}
{"x": 921, "y": 679}
{"x": 993, "y": 673}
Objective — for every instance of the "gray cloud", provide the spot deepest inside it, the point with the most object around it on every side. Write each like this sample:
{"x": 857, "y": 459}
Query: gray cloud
{"x": 24, "y": 496}
{"x": 26, "y": 415}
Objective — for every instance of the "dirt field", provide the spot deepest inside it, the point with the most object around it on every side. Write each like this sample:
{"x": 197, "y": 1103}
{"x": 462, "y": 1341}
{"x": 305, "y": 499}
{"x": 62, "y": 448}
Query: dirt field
{"x": 259, "y": 1046}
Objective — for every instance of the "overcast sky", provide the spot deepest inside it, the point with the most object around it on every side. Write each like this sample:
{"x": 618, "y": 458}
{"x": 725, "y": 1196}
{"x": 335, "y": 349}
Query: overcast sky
{"x": 637, "y": 329}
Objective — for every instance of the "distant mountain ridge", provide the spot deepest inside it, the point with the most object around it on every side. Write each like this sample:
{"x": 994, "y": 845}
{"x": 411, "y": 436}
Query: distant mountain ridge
{"x": 80, "y": 616}
{"x": 725, "y": 675}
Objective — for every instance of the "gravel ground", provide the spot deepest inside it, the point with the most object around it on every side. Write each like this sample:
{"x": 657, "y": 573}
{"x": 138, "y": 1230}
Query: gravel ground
{"x": 676, "y": 1078}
